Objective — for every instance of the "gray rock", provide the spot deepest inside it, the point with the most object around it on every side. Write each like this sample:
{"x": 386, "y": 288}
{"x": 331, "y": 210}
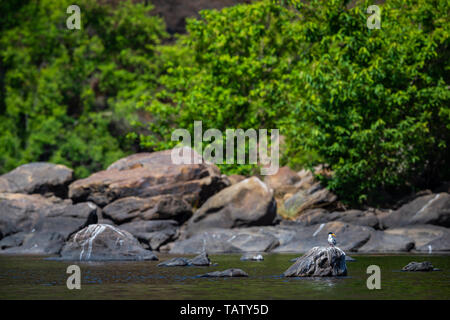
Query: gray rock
{"x": 38, "y": 177}
{"x": 38, "y": 243}
{"x": 39, "y": 225}
{"x": 382, "y": 241}
{"x": 226, "y": 241}
{"x": 104, "y": 242}
{"x": 200, "y": 260}
{"x": 154, "y": 208}
{"x": 297, "y": 238}
{"x": 418, "y": 266}
{"x": 14, "y": 240}
{"x": 422, "y": 238}
{"x": 429, "y": 209}
{"x": 153, "y": 233}
{"x": 175, "y": 262}
{"x": 319, "y": 262}
{"x": 226, "y": 273}
{"x": 357, "y": 217}
{"x": 247, "y": 203}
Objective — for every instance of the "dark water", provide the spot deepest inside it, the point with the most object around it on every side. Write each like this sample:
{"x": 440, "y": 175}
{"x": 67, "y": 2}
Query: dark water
{"x": 31, "y": 277}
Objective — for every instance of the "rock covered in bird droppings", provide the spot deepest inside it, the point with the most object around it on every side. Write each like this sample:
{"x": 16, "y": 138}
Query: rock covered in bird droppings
{"x": 226, "y": 273}
{"x": 104, "y": 242}
{"x": 319, "y": 262}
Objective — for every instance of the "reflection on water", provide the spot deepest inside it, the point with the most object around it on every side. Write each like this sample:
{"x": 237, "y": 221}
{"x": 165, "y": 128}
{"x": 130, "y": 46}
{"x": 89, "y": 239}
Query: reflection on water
{"x": 31, "y": 277}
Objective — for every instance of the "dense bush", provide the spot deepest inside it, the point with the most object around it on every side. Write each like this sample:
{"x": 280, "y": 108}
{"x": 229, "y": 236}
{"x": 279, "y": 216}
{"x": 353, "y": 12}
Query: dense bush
{"x": 68, "y": 94}
{"x": 372, "y": 104}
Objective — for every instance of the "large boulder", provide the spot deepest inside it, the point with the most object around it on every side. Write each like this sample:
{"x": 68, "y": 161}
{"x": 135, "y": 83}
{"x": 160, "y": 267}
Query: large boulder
{"x": 153, "y": 234}
{"x": 319, "y": 262}
{"x": 226, "y": 241}
{"x": 150, "y": 174}
{"x": 367, "y": 218}
{"x": 426, "y": 238}
{"x": 154, "y": 208}
{"x": 297, "y": 238}
{"x": 104, "y": 242}
{"x": 39, "y": 177}
{"x": 422, "y": 238}
{"x": 38, "y": 225}
{"x": 314, "y": 197}
{"x": 247, "y": 203}
{"x": 283, "y": 182}
{"x": 429, "y": 209}
{"x": 236, "y": 178}
{"x": 381, "y": 241}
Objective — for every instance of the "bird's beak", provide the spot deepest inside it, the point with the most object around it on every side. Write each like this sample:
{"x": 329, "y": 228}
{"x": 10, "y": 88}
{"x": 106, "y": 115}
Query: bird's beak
{"x": 333, "y": 235}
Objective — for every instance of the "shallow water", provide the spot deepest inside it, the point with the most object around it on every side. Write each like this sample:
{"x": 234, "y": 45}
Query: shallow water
{"x": 33, "y": 277}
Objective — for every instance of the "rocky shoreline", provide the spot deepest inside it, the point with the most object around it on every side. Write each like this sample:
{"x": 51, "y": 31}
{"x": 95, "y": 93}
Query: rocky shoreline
{"x": 143, "y": 204}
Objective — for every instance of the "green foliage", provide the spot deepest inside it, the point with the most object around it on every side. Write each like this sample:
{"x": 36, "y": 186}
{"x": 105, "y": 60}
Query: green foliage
{"x": 372, "y": 104}
{"x": 235, "y": 72}
{"x": 67, "y": 95}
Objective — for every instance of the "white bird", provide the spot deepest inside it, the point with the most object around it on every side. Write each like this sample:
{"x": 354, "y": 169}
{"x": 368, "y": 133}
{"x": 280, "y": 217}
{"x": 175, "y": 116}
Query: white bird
{"x": 332, "y": 239}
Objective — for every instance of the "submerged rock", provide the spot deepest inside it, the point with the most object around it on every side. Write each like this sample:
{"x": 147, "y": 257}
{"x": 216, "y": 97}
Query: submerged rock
{"x": 200, "y": 260}
{"x": 419, "y": 266}
{"x": 319, "y": 262}
{"x": 104, "y": 242}
{"x": 226, "y": 273}
{"x": 174, "y": 262}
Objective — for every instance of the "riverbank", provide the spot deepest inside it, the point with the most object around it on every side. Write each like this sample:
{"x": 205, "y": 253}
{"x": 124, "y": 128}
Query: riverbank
{"x": 150, "y": 206}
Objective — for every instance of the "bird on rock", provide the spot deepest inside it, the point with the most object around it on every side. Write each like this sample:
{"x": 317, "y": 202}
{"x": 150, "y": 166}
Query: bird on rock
{"x": 332, "y": 239}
